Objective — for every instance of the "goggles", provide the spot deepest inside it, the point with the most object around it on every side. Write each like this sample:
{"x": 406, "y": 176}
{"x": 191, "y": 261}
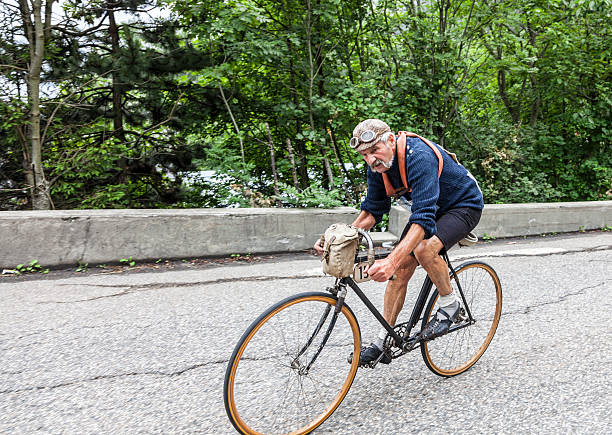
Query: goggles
{"x": 365, "y": 137}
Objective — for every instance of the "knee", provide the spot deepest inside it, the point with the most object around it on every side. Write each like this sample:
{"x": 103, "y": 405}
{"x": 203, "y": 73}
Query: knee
{"x": 407, "y": 269}
{"x": 403, "y": 274}
{"x": 426, "y": 253}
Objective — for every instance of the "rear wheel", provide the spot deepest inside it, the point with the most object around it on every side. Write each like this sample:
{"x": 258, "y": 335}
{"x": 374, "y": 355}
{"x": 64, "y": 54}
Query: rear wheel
{"x": 272, "y": 384}
{"x": 457, "y": 351}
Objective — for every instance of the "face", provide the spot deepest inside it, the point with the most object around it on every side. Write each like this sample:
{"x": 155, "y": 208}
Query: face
{"x": 379, "y": 157}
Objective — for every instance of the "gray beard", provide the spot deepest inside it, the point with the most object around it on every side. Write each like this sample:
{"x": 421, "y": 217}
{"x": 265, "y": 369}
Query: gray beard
{"x": 385, "y": 164}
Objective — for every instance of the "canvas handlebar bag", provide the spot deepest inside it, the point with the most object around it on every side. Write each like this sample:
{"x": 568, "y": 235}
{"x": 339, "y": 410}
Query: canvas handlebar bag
{"x": 340, "y": 242}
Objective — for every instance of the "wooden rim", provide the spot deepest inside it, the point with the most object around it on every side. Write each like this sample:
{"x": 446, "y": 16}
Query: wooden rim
{"x": 490, "y": 334}
{"x": 343, "y": 391}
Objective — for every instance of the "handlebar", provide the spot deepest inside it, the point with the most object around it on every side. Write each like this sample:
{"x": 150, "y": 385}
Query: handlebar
{"x": 371, "y": 255}
{"x": 366, "y": 235}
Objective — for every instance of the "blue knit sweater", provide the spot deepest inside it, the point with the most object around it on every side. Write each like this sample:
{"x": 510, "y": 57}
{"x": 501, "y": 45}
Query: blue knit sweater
{"x": 431, "y": 197}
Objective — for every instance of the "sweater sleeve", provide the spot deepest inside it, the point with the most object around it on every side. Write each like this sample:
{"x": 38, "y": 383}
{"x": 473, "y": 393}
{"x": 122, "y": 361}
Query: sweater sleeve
{"x": 376, "y": 201}
{"x": 422, "y": 173}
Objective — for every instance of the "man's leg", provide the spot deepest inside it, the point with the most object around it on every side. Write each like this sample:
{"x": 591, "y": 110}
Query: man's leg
{"x": 449, "y": 304}
{"x": 395, "y": 294}
{"x": 427, "y": 252}
{"x": 451, "y": 228}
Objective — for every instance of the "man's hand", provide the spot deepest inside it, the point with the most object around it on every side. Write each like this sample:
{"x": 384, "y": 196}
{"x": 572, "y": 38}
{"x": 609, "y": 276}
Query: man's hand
{"x": 382, "y": 270}
{"x": 318, "y": 246}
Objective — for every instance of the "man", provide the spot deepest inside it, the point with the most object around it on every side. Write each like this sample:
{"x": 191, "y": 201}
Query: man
{"x": 446, "y": 206}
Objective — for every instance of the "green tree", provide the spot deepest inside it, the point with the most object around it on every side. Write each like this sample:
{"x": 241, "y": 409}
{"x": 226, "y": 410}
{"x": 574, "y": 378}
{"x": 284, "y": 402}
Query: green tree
{"x": 265, "y": 93}
{"x": 23, "y": 64}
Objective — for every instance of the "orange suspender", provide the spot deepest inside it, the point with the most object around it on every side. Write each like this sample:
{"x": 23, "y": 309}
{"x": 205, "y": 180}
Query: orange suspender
{"x": 400, "y": 150}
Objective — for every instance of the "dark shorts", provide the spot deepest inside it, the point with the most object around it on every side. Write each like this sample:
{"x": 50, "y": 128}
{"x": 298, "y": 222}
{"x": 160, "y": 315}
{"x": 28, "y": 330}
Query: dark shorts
{"x": 454, "y": 225}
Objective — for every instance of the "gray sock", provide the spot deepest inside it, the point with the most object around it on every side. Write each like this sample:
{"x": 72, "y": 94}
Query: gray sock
{"x": 446, "y": 300}
{"x": 450, "y": 309}
{"x": 380, "y": 340}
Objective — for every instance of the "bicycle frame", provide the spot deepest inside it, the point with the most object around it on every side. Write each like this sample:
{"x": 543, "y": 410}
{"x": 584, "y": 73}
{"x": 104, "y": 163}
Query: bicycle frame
{"x": 405, "y": 342}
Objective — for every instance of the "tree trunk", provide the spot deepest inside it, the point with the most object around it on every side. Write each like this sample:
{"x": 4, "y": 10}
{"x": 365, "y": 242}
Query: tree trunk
{"x": 533, "y": 76}
{"x": 35, "y": 34}
{"x": 118, "y": 130}
{"x": 229, "y": 110}
{"x": 300, "y": 147}
{"x": 273, "y": 165}
{"x": 344, "y": 186}
{"x": 26, "y": 162}
{"x": 292, "y": 160}
{"x": 312, "y": 75}
{"x": 501, "y": 87}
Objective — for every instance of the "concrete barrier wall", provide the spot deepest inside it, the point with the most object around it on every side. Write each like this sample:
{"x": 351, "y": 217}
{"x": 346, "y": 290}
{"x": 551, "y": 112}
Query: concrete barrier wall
{"x": 66, "y": 237}
{"x": 509, "y": 220}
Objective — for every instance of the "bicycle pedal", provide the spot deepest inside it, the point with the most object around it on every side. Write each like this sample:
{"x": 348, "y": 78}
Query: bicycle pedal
{"x": 461, "y": 316}
{"x": 368, "y": 365}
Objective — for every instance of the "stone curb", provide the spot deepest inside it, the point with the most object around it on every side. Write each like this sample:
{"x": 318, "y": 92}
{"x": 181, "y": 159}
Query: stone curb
{"x": 66, "y": 237}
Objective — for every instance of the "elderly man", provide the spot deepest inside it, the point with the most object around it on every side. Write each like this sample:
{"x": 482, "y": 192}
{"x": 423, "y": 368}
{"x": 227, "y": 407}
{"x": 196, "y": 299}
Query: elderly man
{"x": 446, "y": 206}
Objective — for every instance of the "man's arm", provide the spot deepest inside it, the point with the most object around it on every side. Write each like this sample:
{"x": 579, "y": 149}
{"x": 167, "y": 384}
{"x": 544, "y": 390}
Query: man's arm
{"x": 415, "y": 235}
{"x": 365, "y": 221}
{"x": 384, "y": 269}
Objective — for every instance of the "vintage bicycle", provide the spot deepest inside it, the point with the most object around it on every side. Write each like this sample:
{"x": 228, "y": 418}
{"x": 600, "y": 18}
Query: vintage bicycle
{"x": 289, "y": 371}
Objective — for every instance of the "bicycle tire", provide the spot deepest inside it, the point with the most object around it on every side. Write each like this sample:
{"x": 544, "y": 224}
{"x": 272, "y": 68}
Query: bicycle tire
{"x": 457, "y": 351}
{"x": 262, "y": 372}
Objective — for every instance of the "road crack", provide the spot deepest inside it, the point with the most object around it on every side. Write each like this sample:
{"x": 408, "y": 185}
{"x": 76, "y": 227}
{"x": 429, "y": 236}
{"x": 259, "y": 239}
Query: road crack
{"x": 118, "y": 375}
{"x": 528, "y": 309}
{"x": 129, "y": 289}
{"x": 158, "y": 286}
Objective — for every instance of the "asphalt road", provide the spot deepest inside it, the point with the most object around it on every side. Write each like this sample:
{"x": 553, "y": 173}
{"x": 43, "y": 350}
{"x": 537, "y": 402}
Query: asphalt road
{"x": 146, "y": 352}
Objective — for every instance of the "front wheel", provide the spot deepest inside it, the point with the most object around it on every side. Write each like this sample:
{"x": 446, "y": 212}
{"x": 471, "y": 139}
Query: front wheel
{"x": 279, "y": 378}
{"x": 457, "y": 351}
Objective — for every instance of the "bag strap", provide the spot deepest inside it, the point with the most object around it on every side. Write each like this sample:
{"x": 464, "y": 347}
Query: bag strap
{"x": 400, "y": 151}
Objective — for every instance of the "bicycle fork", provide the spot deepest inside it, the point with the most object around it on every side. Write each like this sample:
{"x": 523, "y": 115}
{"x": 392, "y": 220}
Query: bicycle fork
{"x": 340, "y": 291}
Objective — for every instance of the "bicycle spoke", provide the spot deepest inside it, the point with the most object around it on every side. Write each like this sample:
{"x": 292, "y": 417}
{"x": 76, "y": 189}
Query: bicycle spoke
{"x": 290, "y": 381}
{"x": 274, "y": 392}
{"x": 317, "y": 390}
{"x": 458, "y": 350}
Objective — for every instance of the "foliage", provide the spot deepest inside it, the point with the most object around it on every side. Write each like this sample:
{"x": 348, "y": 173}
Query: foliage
{"x": 242, "y": 103}
{"x": 129, "y": 261}
{"x": 13, "y": 194}
{"x": 314, "y": 195}
{"x": 31, "y": 267}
